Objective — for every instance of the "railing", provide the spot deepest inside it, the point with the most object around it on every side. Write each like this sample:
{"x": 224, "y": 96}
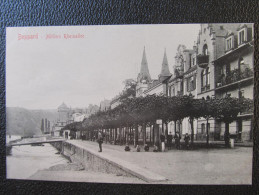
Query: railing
{"x": 179, "y": 93}
{"x": 234, "y": 76}
{"x": 205, "y": 88}
{"x": 202, "y": 60}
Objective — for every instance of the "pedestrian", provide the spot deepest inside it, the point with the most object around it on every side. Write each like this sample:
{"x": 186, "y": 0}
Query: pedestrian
{"x": 169, "y": 140}
{"x": 100, "y": 140}
{"x": 187, "y": 140}
{"x": 146, "y": 148}
{"x": 177, "y": 140}
{"x": 155, "y": 149}
{"x": 138, "y": 148}
{"x": 127, "y": 148}
{"x": 162, "y": 139}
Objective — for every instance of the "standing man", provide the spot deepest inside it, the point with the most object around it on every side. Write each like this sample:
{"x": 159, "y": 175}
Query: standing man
{"x": 100, "y": 140}
{"x": 162, "y": 139}
{"x": 169, "y": 140}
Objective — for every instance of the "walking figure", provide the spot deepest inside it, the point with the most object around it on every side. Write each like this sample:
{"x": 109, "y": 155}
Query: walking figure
{"x": 187, "y": 140}
{"x": 100, "y": 140}
{"x": 177, "y": 140}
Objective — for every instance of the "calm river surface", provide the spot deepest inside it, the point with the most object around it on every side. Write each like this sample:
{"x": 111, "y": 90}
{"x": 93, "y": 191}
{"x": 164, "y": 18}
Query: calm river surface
{"x": 27, "y": 160}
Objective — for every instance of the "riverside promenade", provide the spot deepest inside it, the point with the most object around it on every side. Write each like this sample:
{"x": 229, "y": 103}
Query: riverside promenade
{"x": 217, "y": 165}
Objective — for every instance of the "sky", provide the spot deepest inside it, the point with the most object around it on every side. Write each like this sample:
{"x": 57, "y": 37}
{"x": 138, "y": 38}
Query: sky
{"x": 42, "y": 73}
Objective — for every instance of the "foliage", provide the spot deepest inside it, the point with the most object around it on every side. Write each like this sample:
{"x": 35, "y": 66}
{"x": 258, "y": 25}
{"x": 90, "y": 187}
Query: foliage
{"x": 146, "y": 110}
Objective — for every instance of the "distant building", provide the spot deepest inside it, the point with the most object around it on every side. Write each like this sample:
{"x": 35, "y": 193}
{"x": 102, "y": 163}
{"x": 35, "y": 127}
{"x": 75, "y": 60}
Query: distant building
{"x": 63, "y": 117}
{"x": 105, "y": 105}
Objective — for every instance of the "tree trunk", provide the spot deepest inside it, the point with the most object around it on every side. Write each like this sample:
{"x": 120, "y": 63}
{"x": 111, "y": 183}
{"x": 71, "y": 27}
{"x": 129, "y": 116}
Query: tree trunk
{"x": 120, "y": 135}
{"x": 207, "y": 132}
{"x": 115, "y": 138}
{"x": 127, "y": 135}
{"x": 174, "y": 127}
{"x": 156, "y": 135}
{"x": 166, "y": 130}
{"x": 192, "y": 131}
{"x": 226, "y": 136}
{"x": 153, "y": 133}
{"x": 144, "y": 133}
{"x": 136, "y": 136}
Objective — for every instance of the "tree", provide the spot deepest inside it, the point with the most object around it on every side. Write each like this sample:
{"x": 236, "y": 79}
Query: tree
{"x": 208, "y": 110}
{"x": 193, "y": 109}
{"x": 129, "y": 89}
{"x": 228, "y": 109}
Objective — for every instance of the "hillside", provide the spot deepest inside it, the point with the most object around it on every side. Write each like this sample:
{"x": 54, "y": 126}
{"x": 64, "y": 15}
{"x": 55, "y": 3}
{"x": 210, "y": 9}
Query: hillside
{"x": 21, "y": 121}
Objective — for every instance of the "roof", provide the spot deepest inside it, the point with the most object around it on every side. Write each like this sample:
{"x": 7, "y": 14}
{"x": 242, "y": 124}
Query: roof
{"x": 63, "y": 106}
{"x": 165, "y": 68}
{"x": 144, "y": 72}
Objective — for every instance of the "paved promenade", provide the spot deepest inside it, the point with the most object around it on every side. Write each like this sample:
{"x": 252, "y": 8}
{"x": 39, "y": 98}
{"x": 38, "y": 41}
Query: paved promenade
{"x": 200, "y": 166}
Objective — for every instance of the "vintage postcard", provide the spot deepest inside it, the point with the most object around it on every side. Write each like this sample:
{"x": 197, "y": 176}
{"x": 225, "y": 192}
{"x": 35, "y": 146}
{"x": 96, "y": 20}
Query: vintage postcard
{"x": 153, "y": 104}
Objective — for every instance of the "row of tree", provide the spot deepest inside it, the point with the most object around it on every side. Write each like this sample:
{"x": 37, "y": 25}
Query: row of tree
{"x": 145, "y": 111}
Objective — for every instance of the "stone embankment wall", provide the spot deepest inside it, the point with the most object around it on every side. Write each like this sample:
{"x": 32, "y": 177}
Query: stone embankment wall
{"x": 88, "y": 160}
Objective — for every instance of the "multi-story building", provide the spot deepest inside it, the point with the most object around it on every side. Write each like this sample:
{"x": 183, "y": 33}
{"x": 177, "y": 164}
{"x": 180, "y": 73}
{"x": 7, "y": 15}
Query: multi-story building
{"x": 234, "y": 76}
{"x": 224, "y": 57}
{"x": 183, "y": 82}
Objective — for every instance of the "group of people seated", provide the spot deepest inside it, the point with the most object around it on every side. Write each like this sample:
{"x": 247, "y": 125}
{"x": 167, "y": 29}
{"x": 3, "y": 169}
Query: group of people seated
{"x": 177, "y": 139}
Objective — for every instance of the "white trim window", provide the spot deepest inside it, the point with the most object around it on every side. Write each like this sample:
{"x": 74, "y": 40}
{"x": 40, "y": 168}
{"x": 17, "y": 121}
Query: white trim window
{"x": 229, "y": 43}
{"x": 242, "y": 36}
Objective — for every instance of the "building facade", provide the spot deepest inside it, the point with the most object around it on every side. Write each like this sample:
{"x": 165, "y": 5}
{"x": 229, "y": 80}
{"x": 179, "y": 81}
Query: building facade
{"x": 234, "y": 77}
{"x": 219, "y": 64}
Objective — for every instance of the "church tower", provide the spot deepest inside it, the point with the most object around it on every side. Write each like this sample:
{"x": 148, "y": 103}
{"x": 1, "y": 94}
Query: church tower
{"x": 63, "y": 114}
{"x": 165, "y": 74}
{"x": 144, "y": 77}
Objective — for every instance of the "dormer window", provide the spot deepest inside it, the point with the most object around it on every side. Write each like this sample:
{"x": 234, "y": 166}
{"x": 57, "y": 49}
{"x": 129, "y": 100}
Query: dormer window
{"x": 242, "y": 36}
{"x": 229, "y": 43}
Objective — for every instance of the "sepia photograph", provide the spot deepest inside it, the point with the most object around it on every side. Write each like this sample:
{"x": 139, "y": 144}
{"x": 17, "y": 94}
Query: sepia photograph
{"x": 136, "y": 104}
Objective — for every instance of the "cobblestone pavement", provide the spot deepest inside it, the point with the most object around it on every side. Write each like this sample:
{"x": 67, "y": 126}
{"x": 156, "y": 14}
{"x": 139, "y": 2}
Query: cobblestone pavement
{"x": 201, "y": 166}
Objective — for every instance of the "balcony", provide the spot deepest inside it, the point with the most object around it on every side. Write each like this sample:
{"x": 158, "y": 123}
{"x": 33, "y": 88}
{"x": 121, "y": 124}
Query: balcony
{"x": 205, "y": 88}
{"x": 234, "y": 76}
{"x": 179, "y": 93}
{"x": 202, "y": 61}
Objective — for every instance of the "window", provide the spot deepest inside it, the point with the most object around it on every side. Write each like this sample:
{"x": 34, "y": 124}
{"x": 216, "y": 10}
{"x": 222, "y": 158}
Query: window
{"x": 172, "y": 91}
{"x": 242, "y": 36}
{"x": 205, "y": 79}
{"x": 205, "y": 50}
{"x": 229, "y": 43}
{"x": 202, "y": 128}
{"x": 208, "y": 127}
{"x": 193, "y": 61}
{"x": 228, "y": 69}
{"x": 191, "y": 83}
{"x": 208, "y": 76}
{"x": 241, "y": 94}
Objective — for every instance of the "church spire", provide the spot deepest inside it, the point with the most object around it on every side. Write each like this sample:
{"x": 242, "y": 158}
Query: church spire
{"x": 165, "y": 68}
{"x": 144, "y": 72}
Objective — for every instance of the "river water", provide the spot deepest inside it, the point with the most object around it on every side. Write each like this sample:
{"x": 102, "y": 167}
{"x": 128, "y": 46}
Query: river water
{"x": 27, "y": 160}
